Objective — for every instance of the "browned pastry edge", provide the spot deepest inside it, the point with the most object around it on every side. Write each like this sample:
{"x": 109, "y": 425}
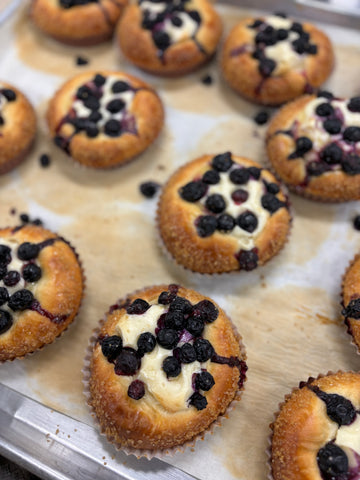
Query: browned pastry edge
{"x": 18, "y": 133}
{"x": 82, "y": 25}
{"x": 242, "y": 74}
{"x": 301, "y": 426}
{"x": 329, "y": 187}
{"x": 214, "y": 254}
{"x": 59, "y": 291}
{"x": 136, "y": 424}
{"x": 103, "y": 151}
{"x": 350, "y": 289}
{"x": 181, "y": 58}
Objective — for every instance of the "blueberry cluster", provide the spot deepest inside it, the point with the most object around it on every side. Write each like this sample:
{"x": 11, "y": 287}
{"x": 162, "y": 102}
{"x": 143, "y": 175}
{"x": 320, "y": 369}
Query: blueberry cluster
{"x": 22, "y": 298}
{"x": 75, "y": 3}
{"x": 155, "y": 21}
{"x": 353, "y": 309}
{"x": 90, "y": 95}
{"x": 10, "y": 96}
{"x": 332, "y": 154}
{"x": 215, "y": 204}
{"x": 267, "y": 35}
{"x": 179, "y": 330}
{"x": 331, "y": 459}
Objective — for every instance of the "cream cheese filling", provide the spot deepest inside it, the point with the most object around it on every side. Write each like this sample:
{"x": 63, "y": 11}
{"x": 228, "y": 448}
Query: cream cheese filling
{"x": 349, "y": 435}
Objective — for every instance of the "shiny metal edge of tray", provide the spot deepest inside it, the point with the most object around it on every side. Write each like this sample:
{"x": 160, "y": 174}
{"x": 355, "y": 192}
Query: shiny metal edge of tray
{"x": 57, "y": 447}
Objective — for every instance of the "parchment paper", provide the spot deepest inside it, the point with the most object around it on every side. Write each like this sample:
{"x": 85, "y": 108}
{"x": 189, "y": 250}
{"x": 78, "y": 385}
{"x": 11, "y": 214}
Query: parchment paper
{"x": 287, "y": 312}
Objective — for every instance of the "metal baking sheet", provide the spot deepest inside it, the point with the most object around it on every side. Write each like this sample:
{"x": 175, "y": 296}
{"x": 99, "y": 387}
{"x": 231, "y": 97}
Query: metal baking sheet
{"x": 56, "y": 439}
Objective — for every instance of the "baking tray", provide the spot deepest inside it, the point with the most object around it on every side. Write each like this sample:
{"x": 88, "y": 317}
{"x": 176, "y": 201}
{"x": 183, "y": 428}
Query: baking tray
{"x": 57, "y": 439}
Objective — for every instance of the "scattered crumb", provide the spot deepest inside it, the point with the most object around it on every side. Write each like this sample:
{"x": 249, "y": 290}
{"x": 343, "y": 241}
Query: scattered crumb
{"x": 57, "y": 431}
{"x": 69, "y": 436}
{"x": 149, "y": 189}
{"x": 75, "y": 429}
{"x": 80, "y": 61}
{"x": 105, "y": 463}
{"x": 261, "y": 117}
{"x": 12, "y": 211}
{"x": 44, "y": 160}
{"x": 103, "y": 458}
{"x": 207, "y": 79}
{"x": 161, "y": 167}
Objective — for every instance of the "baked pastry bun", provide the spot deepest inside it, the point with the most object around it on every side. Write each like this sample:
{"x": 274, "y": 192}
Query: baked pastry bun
{"x": 170, "y": 37}
{"x": 17, "y": 127}
{"x": 313, "y": 145}
{"x": 77, "y": 22}
{"x": 272, "y": 59}
{"x": 223, "y": 213}
{"x": 104, "y": 119}
{"x": 41, "y": 288}
{"x": 166, "y": 363}
{"x": 315, "y": 435}
{"x": 351, "y": 299}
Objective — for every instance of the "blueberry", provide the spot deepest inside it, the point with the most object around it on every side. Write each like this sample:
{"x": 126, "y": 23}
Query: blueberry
{"x": 120, "y": 86}
{"x": 325, "y": 94}
{"x": 248, "y": 259}
{"x": 195, "y": 15}
{"x": 225, "y": 223}
{"x": 175, "y": 320}
{"x": 127, "y": 362}
{"x": 111, "y": 347}
{"x": 352, "y": 134}
{"x": 211, "y": 177}
{"x": 136, "y": 389}
{"x": 6, "y": 321}
{"x": 84, "y": 92}
{"x": 324, "y": 109}
{"x": 311, "y": 49}
{"x": 94, "y": 117}
{"x": 161, "y": 39}
{"x": 331, "y": 154}
{"x": 239, "y": 196}
{"x": 44, "y": 160}
{"x": 338, "y": 408}
{"x": 281, "y": 14}
{"x": 146, "y": 343}
{"x": 3, "y": 270}
{"x": 166, "y": 297}
{"x": 351, "y": 164}
{"x": 24, "y": 217}
{"x": 255, "y": 172}
{"x": 181, "y": 304}
{"x": 21, "y": 300}
{"x": 28, "y": 251}
{"x": 207, "y": 79}
{"x": 167, "y": 338}
{"x": 332, "y": 125}
{"x": 11, "y": 278}
{"x": 92, "y": 131}
{"x": 247, "y": 221}
{"x": 258, "y": 54}
{"x": 198, "y": 401}
{"x": 356, "y": 223}
{"x": 204, "y": 350}
{"x": 205, "y": 310}
{"x": 256, "y": 23}
{"x": 282, "y": 34}
{"x": 303, "y": 145}
{"x": 171, "y": 366}
{"x": 5, "y": 255}
{"x": 261, "y": 117}
{"x": 353, "y": 308}
{"x": 272, "y": 188}
{"x": 222, "y": 162}
{"x": 195, "y": 326}
{"x": 149, "y": 189}
{"x": 187, "y": 353}
{"x": 112, "y": 128}
{"x": 204, "y": 381}
{"x": 267, "y": 66}
{"x": 4, "y": 295}
{"x": 271, "y": 203}
{"x": 206, "y": 225}
{"x": 267, "y": 37}
{"x": 317, "y": 168}
{"x": 138, "y": 307}
{"x": 115, "y": 106}
{"x": 92, "y": 103}
{"x": 239, "y": 176}
{"x": 9, "y": 94}
{"x": 176, "y": 21}
{"x": 215, "y": 203}
{"x": 296, "y": 27}
{"x": 193, "y": 191}
{"x": 332, "y": 462}
{"x": 99, "y": 80}
{"x": 354, "y": 104}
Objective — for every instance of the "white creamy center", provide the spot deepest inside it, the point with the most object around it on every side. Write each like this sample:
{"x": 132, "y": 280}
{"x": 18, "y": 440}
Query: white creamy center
{"x": 255, "y": 190}
{"x": 172, "y": 393}
{"x": 349, "y": 435}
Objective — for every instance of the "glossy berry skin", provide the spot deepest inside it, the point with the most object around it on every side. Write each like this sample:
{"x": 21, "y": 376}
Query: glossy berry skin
{"x": 11, "y": 278}
{"x": 247, "y": 221}
{"x": 6, "y": 321}
{"x": 211, "y": 177}
{"x": 127, "y": 362}
{"x": 172, "y": 367}
{"x": 198, "y": 401}
{"x": 225, "y": 223}
{"x": 195, "y": 326}
{"x": 332, "y": 462}
{"x": 204, "y": 381}
{"x": 271, "y": 203}
{"x": 187, "y": 353}
{"x": 180, "y": 304}
{"x": 167, "y": 338}
{"x": 28, "y": 251}
{"x": 248, "y": 259}
{"x": 206, "y": 310}
{"x": 5, "y": 255}
{"x": 353, "y": 309}
{"x": 206, "y": 225}
{"x": 175, "y": 320}
{"x": 21, "y": 300}
{"x": 111, "y": 347}
{"x": 222, "y": 162}
{"x": 136, "y": 389}
{"x": 31, "y": 272}
{"x": 338, "y": 408}
{"x": 4, "y": 295}
{"x": 193, "y": 191}
{"x": 239, "y": 176}
{"x": 146, "y": 343}
{"x": 204, "y": 350}
{"x": 215, "y": 203}
{"x": 138, "y": 307}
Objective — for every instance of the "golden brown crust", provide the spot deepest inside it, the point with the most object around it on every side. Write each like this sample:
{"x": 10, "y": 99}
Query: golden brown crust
{"x": 180, "y": 58}
{"x": 58, "y": 292}
{"x": 18, "y": 132}
{"x": 337, "y": 186}
{"x": 79, "y": 25}
{"x": 148, "y": 424}
{"x": 351, "y": 291}
{"x": 104, "y": 151}
{"x": 216, "y": 253}
{"x": 302, "y": 426}
{"x": 242, "y": 71}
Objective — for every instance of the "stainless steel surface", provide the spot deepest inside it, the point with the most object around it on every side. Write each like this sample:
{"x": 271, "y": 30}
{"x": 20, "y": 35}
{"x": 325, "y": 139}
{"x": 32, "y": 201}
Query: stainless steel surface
{"x": 56, "y": 447}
